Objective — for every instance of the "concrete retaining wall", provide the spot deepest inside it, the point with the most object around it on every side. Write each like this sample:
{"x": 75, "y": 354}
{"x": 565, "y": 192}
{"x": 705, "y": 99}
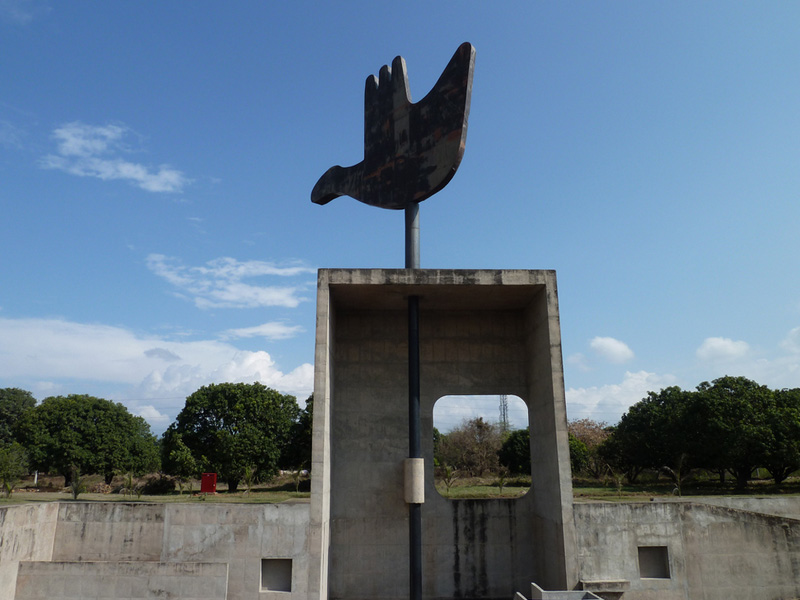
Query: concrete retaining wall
{"x": 713, "y": 553}
{"x": 779, "y": 506}
{"x": 27, "y": 533}
{"x": 117, "y": 580}
{"x": 90, "y": 544}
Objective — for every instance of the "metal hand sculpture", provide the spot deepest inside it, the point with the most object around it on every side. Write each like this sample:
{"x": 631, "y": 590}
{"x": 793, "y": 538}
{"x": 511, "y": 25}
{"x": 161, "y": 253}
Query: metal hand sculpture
{"x": 411, "y": 151}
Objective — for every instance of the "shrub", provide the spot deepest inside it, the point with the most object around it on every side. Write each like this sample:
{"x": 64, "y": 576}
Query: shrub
{"x": 159, "y": 486}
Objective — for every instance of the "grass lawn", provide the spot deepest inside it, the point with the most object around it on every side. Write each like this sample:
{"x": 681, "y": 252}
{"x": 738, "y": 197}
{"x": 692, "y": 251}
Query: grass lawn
{"x": 50, "y": 489}
{"x": 282, "y": 489}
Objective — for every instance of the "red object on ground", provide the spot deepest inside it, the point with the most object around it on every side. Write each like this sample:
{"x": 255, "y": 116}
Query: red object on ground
{"x": 208, "y": 483}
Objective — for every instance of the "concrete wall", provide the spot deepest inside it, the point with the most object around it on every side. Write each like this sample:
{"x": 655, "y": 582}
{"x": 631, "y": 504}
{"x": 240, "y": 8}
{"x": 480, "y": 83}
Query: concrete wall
{"x": 121, "y": 580}
{"x": 27, "y": 533}
{"x": 164, "y": 545}
{"x": 481, "y": 332}
{"x": 779, "y": 506}
{"x": 714, "y": 553}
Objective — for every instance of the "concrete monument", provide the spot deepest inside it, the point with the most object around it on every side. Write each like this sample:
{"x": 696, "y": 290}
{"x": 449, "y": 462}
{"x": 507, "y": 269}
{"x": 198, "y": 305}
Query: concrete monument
{"x": 468, "y": 332}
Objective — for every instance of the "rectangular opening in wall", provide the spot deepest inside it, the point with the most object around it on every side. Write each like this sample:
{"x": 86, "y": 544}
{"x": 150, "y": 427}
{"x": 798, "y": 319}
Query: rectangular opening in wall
{"x": 276, "y": 574}
{"x": 653, "y": 562}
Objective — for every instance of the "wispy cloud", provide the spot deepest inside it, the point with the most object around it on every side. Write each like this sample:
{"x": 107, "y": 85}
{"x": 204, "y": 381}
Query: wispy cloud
{"x": 719, "y": 348}
{"x": 94, "y": 151}
{"x": 22, "y": 12}
{"x": 10, "y": 135}
{"x": 219, "y": 283}
{"x": 270, "y": 331}
{"x": 609, "y": 402}
{"x": 611, "y": 349}
{"x": 151, "y": 375}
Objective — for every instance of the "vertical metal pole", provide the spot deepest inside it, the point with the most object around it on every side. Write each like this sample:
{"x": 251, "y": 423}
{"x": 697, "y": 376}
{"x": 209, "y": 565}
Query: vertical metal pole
{"x": 414, "y": 446}
{"x": 414, "y": 450}
{"x": 412, "y": 236}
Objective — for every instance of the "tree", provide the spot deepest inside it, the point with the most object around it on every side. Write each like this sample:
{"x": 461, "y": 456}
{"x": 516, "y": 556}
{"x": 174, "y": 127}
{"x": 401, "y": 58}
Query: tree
{"x": 592, "y": 434}
{"x": 653, "y": 434}
{"x": 13, "y": 466}
{"x": 87, "y": 434}
{"x": 231, "y": 426}
{"x": 732, "y": 430}
{"x": 297, "y": 454}
{"x": 515, "y": 453}
{"x": 578, "y": 454}
{"x": 176, "y": 457}
{"x": 782, "y": 451}
{"x": 471, "y": 448}
{"x": 14, "y": 403}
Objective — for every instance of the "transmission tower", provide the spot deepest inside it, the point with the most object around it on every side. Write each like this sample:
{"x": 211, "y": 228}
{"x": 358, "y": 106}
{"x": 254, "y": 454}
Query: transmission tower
{"x": 504, "y": 413}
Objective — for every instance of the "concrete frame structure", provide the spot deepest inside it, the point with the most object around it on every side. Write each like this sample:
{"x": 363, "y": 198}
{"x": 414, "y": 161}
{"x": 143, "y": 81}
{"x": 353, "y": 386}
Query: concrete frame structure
{"x": 481, "y": 332}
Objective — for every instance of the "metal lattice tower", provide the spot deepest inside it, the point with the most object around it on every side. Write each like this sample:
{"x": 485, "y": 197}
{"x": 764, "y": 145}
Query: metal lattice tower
{"x": 504, "y": 413}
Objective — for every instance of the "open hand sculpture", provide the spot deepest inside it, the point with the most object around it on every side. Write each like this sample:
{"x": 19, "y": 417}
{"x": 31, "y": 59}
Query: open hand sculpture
{"x": 411, "y": 151}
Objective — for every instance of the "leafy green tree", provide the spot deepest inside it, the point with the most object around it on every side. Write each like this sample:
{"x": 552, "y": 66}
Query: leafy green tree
{"x": 14, "y": 402}
{"x": 515, "y": 453}
{"x": 13, "y": 466}
{"x": 578, "y": 455}
{"x": 782, "y": 452}
{"x": 437, "y": 438}
{"x": 733, "y": 433}
{"x": 177, "y": 458}
{"x": 230, "y": 426}
{"x": 80, "y": 433}
{"x": 652, "y": 434}
{"x": 297, "y": 453}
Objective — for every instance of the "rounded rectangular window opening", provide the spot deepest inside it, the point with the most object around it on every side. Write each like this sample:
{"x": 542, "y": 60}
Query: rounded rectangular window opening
{"x": 481, "y": 446}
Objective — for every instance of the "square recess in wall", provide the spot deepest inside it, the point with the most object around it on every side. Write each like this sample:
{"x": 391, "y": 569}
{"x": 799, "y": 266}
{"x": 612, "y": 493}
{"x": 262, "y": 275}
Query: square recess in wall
{"x": 276, "y": 574}
{"x": 653, "y": 562}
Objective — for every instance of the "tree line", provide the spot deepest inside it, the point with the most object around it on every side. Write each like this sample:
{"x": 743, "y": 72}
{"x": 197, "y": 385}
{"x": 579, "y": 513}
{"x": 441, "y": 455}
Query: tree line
{"x": 731, "y": 426}
{"x": 239, "y": 431}
{"x": 247, "y": 432}
{"x": 728, "y": 427}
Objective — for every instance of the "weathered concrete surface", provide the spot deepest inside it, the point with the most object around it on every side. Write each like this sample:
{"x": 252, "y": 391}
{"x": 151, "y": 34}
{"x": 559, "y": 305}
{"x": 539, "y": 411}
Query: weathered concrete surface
{"x": 164, "y": 540}
{"x": 481, "y": 332}
{"x": 121, "y": 580}
{"x": 715, "y": 553}
{"x": 27, "y": 533}
{"x": 90, "y": 531}
{"x": 779, "y": 506}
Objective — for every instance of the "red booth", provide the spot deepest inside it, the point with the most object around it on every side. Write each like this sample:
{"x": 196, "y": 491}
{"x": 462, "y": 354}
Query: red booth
{"x": 208, "y": 483}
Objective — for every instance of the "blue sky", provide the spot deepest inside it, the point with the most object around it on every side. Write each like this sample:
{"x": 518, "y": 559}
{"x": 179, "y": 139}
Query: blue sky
{"x": 156, "y": 161}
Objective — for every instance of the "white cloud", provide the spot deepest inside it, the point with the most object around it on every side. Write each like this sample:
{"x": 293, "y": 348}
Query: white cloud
{"x": 270, "y": 331}
{"x": 578, "y": 360}
{"x": 149, "y": 374}
{"x": 151, "y": 414}
{"x": 91, "y": 151}
{"x": 611, "y": 349}
{"x": 608, "y": 403}
{"x": 791, "y": 342}
{"x": 721, "y": 349}
{"x": 218, "y": 284}
{"x": 10, "y": 135}
{"x": 22, "y": 12}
